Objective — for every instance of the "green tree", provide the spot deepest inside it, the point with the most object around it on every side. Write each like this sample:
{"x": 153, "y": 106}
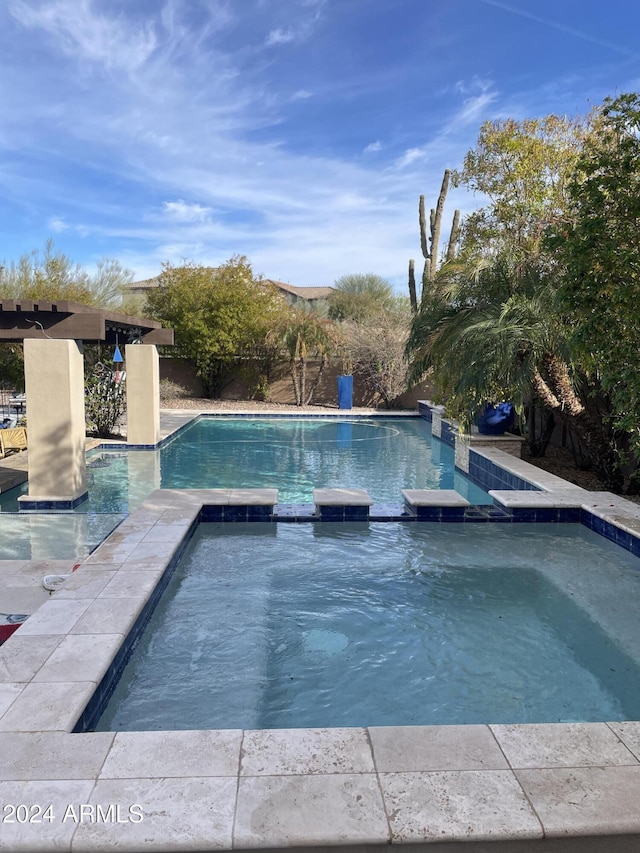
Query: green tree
{"x": 500, "y": 335}
{"x": 492, "y": 326}
{"x": 597, "y": 244}
{"x": 11, "y": 367}
{"x": 220, "y": 315}
{"x": 52, "y": 276}
{"x": 522, "y": 168}
{"x": 359, "y": 297}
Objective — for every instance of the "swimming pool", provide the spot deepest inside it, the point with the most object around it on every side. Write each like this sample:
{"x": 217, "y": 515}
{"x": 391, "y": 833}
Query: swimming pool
{"x": 325, "y": 625}
{"x": 294, "y": 455}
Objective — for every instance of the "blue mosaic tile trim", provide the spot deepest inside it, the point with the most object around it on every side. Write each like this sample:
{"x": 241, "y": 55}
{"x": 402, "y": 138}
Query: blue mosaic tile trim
{"x": 306, "y": 512}
{"x": 98, "y": 702}
{"x": 610, "y": 531}
{"x": 440, "y": 513}
{"x": 344, "y": 513}
{"x": 486, "y": 474}
{"x": 110, "y": 445}
{"x": 425, "y": 412}
{"x": 237, "y": 513}
{"x": 555, "y": 515}
{"x": 53, "y": 505}
{"x": 448, "y": 434}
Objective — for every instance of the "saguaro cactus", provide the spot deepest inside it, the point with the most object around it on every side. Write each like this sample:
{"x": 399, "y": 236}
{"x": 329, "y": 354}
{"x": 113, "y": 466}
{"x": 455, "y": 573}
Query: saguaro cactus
{"x": 412, "y": 286}
{"x": 430, "y": 245}
{"x": 453, "y": 237}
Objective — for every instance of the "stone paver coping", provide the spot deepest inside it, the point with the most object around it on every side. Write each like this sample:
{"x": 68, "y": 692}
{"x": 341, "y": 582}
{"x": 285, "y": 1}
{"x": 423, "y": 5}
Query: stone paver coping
{"x": 527, "y": 499}
{"x": 341, "y": 497}
{"x": 433, "y": 497}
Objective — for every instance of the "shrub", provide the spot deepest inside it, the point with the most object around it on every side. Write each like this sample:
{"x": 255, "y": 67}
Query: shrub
{"x": 170, "y": 390}
{"x": 105, "y": 401}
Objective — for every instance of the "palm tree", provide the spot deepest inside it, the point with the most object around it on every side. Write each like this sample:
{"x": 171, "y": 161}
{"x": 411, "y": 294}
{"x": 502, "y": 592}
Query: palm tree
{"x": 306, "y": 336}
{"x": 497, "y": 333}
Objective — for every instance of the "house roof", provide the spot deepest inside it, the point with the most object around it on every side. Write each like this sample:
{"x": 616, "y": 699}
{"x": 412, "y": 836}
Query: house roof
{"x": 145, "y": 284}
{"x": 308, "y": 293}
{"x": 302, "y": 292}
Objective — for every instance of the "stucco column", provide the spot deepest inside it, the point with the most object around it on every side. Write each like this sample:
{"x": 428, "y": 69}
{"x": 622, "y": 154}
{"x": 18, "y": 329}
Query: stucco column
{"x": 143, "y": 394}
{"x": 54, "y": 385}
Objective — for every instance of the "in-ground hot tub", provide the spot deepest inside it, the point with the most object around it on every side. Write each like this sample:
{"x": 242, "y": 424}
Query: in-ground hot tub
{"x": 508, "y": 786}
{"x": 387, "y": 624}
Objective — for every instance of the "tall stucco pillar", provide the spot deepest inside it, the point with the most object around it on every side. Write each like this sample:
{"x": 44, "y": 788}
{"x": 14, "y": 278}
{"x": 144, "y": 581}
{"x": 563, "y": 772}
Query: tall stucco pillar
{"x": 54, "y": 385}
{"x": 143, "y": 394}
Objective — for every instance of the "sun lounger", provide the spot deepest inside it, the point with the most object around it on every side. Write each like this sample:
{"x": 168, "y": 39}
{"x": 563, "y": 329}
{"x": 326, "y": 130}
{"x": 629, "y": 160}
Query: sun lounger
{"x": 12, "y": 440}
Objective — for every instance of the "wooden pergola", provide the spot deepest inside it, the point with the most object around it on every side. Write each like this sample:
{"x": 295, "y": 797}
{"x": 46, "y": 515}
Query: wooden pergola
{"x": 21, "y": 319}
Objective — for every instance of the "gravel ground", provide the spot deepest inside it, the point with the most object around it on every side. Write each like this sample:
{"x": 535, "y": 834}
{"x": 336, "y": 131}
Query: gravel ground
{"x": 559, "y": 461}
{"x": 247, "y": 405}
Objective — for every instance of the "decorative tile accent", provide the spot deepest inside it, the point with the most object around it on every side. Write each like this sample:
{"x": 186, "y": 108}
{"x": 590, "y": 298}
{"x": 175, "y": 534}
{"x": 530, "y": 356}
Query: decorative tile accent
{"x": 436, "y": 424}
{"x": 437, "y": 784}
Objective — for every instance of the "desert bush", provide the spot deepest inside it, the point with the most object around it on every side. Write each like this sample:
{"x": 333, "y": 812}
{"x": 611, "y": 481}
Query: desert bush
{"x": 105, "y": 401}
{"x": 170, "y": 390}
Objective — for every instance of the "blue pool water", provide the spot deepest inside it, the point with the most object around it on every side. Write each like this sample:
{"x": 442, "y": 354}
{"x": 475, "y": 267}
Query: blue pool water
{"x": 275, "y": 626}
{"x": 294, "y": 455}
{"x": 289, "y": 454}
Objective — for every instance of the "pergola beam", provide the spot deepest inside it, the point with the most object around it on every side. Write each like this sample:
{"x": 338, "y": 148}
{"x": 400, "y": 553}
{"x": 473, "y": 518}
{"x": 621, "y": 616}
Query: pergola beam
{"x": 22, "y": 319}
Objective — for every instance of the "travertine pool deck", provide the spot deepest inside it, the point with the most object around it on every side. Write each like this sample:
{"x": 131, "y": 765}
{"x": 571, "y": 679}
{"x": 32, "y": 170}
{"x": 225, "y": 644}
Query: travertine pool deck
{"x": 479, "y": 788}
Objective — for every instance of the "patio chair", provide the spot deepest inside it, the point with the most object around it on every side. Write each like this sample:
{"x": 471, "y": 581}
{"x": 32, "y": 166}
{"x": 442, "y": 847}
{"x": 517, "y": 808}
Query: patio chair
{"x": 12, "y": 440}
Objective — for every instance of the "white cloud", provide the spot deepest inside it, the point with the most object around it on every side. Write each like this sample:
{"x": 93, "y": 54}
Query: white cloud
{"x": 301, "y": 95}
{"x": 83, "y": 33}
{"x": 180, "y": 211}
{"x": 187, "y": 125}
{"x": 475, "y": 109}
{"x": 301, "y": 29}
{"x": 57, "y": 225}
{"x": 410, "y": 156}
{"x": 476, "y": 84}
{"x": 280, "y": 36}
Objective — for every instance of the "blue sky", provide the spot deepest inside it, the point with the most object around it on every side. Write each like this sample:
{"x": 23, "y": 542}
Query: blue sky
{"x": 297, "y": 132}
